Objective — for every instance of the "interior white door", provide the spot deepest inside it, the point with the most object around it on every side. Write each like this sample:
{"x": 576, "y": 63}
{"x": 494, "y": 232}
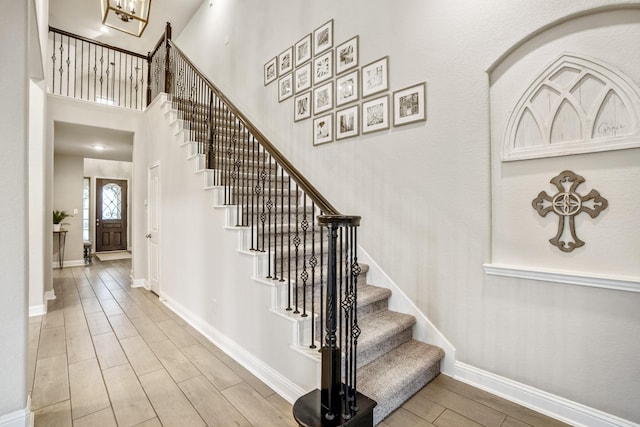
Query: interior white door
{"x": 153, "y": 233}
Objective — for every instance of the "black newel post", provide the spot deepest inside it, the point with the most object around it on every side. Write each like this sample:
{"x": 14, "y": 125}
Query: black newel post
{"x": 331, "y": 367}
{"x": 167, "y": 65}
{"x": 335, "y": 403}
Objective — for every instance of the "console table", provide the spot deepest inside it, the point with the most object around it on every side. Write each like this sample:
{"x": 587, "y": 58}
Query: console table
{"x": 62, "y": 239}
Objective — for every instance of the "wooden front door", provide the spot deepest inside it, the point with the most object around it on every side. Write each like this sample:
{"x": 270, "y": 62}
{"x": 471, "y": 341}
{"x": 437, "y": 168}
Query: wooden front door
{"x": 111, "y": 215}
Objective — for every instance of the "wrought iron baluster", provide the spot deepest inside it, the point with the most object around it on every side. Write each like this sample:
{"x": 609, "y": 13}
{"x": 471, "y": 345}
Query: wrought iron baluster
{"x": 75, "y": 65}
{"x": 304, "y": 275}
{"x": 313, "y": 263}
{"x": 263, "y": 214}
{"x": 68, "y": 62}
{"x": 296, "y": 243}
{"x": 288, "y": 234}
{"x": 61, "y": 69}
{"x": 273, "y": 229}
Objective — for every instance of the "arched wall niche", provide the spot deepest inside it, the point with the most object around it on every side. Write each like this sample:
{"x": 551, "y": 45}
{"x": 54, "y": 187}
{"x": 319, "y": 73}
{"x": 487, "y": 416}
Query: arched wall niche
{"x": 568, "y": 98}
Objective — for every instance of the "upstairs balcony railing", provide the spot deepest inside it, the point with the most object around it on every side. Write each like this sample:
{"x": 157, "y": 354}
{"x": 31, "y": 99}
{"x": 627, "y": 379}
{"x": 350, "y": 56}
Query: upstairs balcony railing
{"x": 92, "y": 71}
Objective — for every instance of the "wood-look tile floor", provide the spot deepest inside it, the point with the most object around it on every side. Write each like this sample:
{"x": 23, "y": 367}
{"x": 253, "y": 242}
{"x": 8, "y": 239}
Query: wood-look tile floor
{"x": 106, "y": 354}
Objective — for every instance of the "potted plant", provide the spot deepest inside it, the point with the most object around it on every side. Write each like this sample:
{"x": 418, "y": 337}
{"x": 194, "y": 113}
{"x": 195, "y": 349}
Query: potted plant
{"x": 58, "y": 217}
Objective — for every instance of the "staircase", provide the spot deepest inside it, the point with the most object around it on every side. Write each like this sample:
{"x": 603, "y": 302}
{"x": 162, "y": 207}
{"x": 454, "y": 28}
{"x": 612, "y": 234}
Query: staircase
{"x": 392, "y": 366}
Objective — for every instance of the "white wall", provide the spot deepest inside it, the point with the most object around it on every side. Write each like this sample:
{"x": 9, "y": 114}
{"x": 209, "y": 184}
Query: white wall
{"x": 38, "y": 214}
{"x": 68, "y": 172}
{"x": 97, "y": 168}
{"x": 14, "y": 196}
{"x": 424, "y": 190}
{"x": 205, "y": 279}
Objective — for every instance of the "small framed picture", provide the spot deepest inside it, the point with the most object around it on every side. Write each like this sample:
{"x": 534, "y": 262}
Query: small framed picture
{"x": 285, "y": 87}
{"x": 409, "y": 104}
{"x": 302, "y": 107}
{"x": 323, "y": 38}
{"x": 285, "y": 61}
{"x": 375, "y": 114}
{"x": 347, "y": 88}
{"x": 270, "y": 71}
{"x": 323, "y": 67}
{"x": 347, "y": 122}
{"x": 323, "y": 98}
{"x": 347, "y": 55}
{"x": 323, "y": 129}
{"x": 303, "y": 78}
{"x": 302, "y": 50}
{"x": 375, "y": 77}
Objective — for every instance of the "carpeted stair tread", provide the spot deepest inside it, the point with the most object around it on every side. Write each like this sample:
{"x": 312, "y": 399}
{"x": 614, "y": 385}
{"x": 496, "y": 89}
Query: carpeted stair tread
{"x": 393, "y": 378}
{"x": 381, "y": 333}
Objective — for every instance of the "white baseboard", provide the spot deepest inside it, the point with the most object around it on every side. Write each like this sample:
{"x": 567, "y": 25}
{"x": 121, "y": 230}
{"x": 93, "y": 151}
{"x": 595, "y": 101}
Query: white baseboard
{"x": 139, "y": 283}
{"x": 20, "y": 418}
{"x": 281, "y": 385}
{"x": 424, "y": 330}
{"x": 49, "y": 295}
{"x": 541, "y": 401}
{"x": 37, "y": 310}
{"x": 71, "y": 263}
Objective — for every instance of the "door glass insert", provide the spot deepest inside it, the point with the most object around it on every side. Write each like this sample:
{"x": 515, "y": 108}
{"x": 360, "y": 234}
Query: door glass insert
{"x": 111, "y": 201}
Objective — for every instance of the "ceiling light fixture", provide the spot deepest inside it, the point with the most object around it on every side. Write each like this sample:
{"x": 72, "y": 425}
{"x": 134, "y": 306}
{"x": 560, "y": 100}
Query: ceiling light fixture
{"x": 98, "y": 147}
{"x": 129, "y": 16}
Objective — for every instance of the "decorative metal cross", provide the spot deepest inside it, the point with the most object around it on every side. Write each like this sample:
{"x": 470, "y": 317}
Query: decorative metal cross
{"x": 567, "y": 204}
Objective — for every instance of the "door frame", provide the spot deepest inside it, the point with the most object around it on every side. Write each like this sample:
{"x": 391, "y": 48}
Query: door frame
{"x": 93, "y": 209}
{"x": 159, "y": 237}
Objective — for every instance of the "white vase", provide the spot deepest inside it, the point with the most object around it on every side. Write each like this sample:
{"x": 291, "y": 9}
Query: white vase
{"x": 56, "y": 227}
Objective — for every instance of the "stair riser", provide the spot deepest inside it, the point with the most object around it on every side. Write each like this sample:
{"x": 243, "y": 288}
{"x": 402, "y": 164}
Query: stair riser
{"x": 382, "y": 347}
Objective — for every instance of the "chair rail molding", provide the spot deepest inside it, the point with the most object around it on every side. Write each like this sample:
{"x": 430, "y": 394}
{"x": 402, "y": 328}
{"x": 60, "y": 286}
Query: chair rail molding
{"x": 619, "y": 283}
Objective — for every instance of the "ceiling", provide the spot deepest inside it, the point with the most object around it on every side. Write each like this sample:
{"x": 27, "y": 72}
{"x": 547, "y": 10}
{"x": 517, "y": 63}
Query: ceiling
{"x": 83, "y": 17}
{"x": 79, "y": 140}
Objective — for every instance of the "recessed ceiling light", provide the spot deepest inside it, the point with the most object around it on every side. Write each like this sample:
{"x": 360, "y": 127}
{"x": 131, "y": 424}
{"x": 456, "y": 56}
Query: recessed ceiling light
{"x": 98, "y": 147}
{"x": 104, "y": 29}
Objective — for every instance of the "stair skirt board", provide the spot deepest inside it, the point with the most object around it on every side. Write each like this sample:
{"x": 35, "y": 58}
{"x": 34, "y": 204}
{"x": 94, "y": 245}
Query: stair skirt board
{"x": 387, "y": 352}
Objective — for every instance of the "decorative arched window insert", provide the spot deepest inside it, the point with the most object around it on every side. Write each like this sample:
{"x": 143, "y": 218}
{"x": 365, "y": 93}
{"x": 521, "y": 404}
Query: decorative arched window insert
{"x": 575, "y": 105}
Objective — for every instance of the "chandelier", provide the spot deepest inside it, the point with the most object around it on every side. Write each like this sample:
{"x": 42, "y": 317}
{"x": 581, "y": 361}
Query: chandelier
{"x": 129, "y": 16}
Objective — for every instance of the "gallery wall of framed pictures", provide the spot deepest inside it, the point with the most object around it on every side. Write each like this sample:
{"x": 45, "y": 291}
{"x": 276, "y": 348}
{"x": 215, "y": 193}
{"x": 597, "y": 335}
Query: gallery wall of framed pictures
{"x": 344, "y": 99}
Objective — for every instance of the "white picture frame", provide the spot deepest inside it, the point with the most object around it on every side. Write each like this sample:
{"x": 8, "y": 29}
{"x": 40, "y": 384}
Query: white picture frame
{"x": 285, "y": 61}
{"x": 347, "y": 55}
{"x": 347, "y": 123}
{"x": 302, "y": 78}
{"x": 285, "y": 87}
{"x": 375, "y": 114}
{"x": 409, "y": 104}
{"x": 347, "y": 88}
{"x": 375, "y": 77}
{"x": 323, "y": 129}
{"x": 271, "y": 71}
{"x": 302, "y": 50}
{"x": 323, "y": 67}
{"x": 302, "y": 106}
{"x": 323, "y": 98}
{"x": 323, "y": 37}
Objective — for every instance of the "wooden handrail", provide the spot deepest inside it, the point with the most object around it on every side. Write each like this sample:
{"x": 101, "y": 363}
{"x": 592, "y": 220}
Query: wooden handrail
{"x": 306, "y": 186}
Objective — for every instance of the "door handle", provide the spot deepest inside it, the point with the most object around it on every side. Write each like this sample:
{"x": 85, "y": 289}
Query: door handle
{"x": 148, "y": 236}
